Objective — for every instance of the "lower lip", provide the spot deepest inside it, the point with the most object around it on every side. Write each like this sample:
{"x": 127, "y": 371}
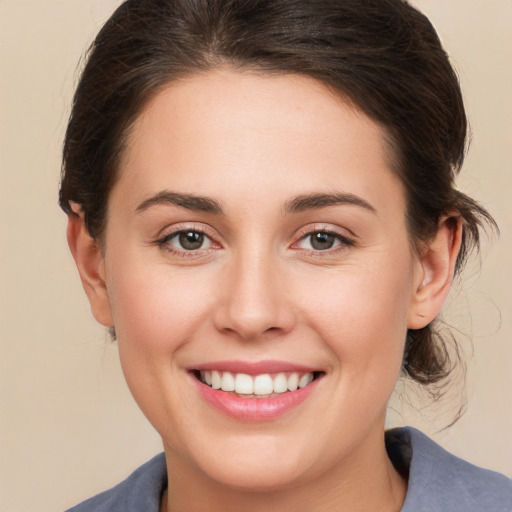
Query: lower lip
{"x": 254, "y": 409}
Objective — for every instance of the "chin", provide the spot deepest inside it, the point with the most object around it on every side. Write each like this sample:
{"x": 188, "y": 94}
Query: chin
{"x": 259, "y": 463}
{"x": 256, "y": 476}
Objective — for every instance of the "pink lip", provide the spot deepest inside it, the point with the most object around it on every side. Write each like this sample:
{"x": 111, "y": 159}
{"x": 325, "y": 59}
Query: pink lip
{"x": 254, "y": 409}
{"x": 254, "y": 368}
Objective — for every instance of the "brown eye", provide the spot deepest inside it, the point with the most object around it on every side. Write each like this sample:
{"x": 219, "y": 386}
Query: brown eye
{"x": 190, "y": 240}
{"x": 322, "y": 241}
{"x": 186, "y": 241}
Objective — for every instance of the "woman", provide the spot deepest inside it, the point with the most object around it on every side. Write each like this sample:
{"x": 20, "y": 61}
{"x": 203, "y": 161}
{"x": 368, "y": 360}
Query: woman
{"x": 262, "y": 208}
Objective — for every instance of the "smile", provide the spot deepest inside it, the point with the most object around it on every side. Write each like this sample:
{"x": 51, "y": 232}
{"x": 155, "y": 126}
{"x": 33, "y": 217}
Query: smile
{"x": 255, "y": 386}
{"x": 255, "y": 391}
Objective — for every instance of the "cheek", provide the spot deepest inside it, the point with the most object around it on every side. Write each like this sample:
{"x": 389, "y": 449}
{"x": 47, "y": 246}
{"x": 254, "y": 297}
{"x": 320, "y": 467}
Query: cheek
{"x": 156, "y": 312}
{"x": 365, "y": 329}
{"x": 361, "y": 314}
{"x": 155, "y": 308}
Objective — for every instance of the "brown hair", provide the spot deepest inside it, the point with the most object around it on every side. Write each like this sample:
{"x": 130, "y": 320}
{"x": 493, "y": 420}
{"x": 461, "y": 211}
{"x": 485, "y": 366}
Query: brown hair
{"x": 382, "y": 55}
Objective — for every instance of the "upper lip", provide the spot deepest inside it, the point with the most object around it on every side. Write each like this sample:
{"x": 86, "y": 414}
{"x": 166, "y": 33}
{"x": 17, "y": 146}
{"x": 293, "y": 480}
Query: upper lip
{"x": 254, "y": 367}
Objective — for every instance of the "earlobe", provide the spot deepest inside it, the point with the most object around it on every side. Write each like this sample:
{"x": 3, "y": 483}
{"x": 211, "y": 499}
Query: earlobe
{"x": 90, "y": 263}
{"x": 436, "y": 267}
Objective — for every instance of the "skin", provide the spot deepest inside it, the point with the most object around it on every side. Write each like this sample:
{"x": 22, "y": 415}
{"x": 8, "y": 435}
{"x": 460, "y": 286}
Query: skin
{"x": 258, "y": 290}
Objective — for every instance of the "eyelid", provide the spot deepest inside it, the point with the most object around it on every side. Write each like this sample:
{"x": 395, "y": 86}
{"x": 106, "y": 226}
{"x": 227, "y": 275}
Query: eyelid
{"x": 180, "y": 227}
{"x": 343, "y": 233}
{"x": 170, "y": 232}
{"x": 346, "y": 240}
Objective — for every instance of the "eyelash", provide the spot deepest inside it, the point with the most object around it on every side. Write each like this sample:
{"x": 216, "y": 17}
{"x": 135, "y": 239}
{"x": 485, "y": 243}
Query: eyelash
{"x": 164, "y": 242}
{"x": 344, "y": 242}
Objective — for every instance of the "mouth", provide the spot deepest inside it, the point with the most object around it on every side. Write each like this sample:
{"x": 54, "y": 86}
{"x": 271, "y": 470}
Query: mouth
{"x": 264, "y": 385}
{"x": 256, "y": 391}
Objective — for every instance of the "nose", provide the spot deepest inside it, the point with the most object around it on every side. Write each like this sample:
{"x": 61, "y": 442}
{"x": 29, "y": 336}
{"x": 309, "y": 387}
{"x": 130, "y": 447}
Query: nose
{"x": 253, "y": 303}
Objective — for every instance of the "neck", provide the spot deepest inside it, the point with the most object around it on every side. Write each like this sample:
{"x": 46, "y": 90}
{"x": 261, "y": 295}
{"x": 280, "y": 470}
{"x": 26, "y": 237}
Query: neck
{"x": 365, "y": 481}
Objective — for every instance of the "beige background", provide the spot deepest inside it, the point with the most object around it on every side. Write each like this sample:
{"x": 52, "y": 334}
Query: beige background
{"x": 68, "y": 427}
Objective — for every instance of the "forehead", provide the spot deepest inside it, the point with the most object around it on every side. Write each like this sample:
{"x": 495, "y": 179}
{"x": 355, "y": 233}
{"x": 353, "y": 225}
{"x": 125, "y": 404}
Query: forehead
{"x": 214, "y": 130}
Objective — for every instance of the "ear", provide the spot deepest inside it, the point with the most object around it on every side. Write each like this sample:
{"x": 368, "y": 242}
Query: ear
{"x": 91, "y": 266}
{"x": 436, "y": 266}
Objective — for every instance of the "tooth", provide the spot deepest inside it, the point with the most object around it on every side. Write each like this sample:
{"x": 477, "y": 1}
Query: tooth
{"x": 228, "y": 382}
{"x": 244, "y": 384}
{"x": 305, "y": 380}
{"x": 293, "y": 382}
{"x": 280, "y": 383}
{"x": 263, "y": 385}
{"x": 216, "y": 379}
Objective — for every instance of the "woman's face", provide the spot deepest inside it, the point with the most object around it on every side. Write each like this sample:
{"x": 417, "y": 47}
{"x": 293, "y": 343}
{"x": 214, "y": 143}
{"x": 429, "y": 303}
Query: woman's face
{"x": 257, "y": 237}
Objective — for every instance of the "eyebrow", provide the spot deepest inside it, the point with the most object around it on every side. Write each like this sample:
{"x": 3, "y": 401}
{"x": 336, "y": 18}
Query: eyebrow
{"x": 298, "y": 204}
{"x": 188, "y": 201}
{"x": 316, "y": 201}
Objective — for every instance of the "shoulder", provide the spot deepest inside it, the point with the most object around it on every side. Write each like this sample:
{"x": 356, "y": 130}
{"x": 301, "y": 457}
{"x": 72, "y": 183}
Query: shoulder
{"x": 440, "y": 481}
{"x": 141, "y": 491}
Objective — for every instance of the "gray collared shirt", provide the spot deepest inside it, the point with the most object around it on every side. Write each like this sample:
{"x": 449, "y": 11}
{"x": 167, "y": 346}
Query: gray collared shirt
{"x": 438, "y": 481}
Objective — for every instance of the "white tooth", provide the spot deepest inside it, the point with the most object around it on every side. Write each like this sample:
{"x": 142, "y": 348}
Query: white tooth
{"x": 228, "y": 382}
{"x": 208, "y": 377}
{"x": 293, "y": 382}
{"x": 263, "y": 385}
{"x": 216, "y": 379}
{"x": 305, "y": 380}
{"x": 280, "y": 383}
{"x": 244, "y": 384}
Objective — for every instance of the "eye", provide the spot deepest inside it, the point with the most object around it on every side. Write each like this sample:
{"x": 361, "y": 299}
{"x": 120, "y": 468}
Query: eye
{"x": 323, "y": 241}
{"x": 186, "y": 240}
